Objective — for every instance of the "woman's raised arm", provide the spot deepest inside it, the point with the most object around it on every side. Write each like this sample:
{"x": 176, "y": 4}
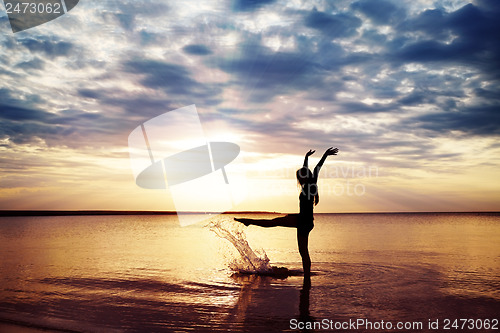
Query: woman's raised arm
{"x": 309, "y": 153}
{"x": 328, "y": 152}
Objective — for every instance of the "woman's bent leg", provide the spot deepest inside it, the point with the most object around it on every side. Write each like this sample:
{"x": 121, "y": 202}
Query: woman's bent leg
{"x": 303, "y": 241}
{"x": 289, "y": 221}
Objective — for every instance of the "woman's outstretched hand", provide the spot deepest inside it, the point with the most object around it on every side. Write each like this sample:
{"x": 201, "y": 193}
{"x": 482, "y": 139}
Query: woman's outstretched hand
{"x": 331, "y": 151}
{"x": 328, "y": 152}
{"x": 310, "y": 152}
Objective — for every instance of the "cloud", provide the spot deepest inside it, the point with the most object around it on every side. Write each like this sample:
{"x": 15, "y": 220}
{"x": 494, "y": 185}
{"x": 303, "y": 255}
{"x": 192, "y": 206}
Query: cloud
{"x": 14, "y": 113}
{"x": 172, "y": 78}
{"x": 25, "y": 100}
{"x": 362, "y": 108}
{"x": 36, "y": 63}
{"x": 333, "y": 25}
{"x": 429, "y": 50}
{"x": 477, "y": 121}
{"x": 47, "y": 46}
{"x": 24, "y": 121}
{"x": 430, "y": 21}
{"x": 150, "y": 38}
{"x": 197, "y": 49}
{"x": 380, "y": 11}
{"x": 128, "y": 13}
{"x": 487, "y": 94}
{"x": 89, "y": 93}
{"x": 261, "y": 73}
{"x": 126, "y": 20}
{"x": 468, "y": 36}
{"x": 489, "y": 5}
{"x": 139, "y": 108}
{"x": 23, "y": 125}
{"x": 249, "y": 5}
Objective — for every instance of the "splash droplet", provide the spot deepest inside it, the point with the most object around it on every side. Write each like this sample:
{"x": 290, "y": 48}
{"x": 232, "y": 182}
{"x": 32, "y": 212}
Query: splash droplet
{"x": 250, "y": 261}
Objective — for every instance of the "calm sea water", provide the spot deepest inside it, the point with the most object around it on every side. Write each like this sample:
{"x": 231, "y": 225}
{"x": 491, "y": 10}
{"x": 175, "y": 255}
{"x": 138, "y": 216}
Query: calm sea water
{"x": 148, "y": 274}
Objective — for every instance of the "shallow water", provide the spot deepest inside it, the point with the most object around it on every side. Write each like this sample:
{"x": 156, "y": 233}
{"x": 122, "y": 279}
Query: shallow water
{"x": 146, "y": 273}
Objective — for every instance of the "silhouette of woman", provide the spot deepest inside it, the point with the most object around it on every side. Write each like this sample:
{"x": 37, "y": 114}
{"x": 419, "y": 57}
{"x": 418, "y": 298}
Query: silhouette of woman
{"x": 308, "y": 198}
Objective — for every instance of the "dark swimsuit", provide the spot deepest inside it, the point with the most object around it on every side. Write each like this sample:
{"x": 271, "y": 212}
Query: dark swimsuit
{"x": 305, "y": 218}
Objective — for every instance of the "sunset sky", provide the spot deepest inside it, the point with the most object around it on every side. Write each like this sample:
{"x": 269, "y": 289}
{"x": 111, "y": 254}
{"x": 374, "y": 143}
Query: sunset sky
{"x": 408, "y": 90}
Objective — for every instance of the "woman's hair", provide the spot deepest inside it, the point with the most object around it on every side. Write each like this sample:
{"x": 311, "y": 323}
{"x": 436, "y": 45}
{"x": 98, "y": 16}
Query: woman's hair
{"x": 307, "y": 183}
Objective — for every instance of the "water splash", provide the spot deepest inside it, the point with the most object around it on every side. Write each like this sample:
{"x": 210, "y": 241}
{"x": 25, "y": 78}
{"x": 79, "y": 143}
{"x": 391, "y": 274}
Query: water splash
{"x": 249, "y": 261}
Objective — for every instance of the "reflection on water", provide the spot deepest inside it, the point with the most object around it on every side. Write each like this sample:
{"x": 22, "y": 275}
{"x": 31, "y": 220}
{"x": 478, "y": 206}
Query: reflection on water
{"x": 140, "y": 273}
{"x": 248, "y": 284}
{"x": 304, "y": 313}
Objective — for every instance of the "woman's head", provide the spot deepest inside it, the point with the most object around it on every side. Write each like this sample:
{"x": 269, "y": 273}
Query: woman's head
{"x": 304, "y": 176}
{"x": 307, "y": 184}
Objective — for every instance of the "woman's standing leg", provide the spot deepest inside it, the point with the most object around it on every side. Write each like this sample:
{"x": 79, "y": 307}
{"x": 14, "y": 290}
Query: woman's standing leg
{"x": 303, "y": 241}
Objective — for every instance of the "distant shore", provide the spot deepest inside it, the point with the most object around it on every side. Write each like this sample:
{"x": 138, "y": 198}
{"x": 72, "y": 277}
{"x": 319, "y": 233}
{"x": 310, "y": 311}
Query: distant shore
{"x": 9, "y": 213}
{"x": 6, "y": 213}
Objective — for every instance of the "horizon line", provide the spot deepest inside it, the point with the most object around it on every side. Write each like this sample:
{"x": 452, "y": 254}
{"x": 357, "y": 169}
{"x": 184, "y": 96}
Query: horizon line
{"x": 37, "y": 212}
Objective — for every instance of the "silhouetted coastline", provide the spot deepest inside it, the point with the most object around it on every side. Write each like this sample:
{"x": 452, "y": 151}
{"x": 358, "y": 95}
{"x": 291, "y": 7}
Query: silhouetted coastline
{"x": 7, "y": 213}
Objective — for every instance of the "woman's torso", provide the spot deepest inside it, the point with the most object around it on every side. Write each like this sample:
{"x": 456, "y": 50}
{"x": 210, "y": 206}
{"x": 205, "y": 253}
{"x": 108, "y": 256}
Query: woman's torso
{"x": 306, "y": 209}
